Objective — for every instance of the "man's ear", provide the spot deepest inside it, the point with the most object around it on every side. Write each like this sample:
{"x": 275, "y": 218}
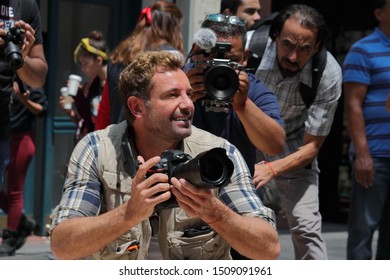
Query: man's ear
{"x": 136, "y": 106}
{"x": 317, "y": 48}
{"x": 245, "y": 59}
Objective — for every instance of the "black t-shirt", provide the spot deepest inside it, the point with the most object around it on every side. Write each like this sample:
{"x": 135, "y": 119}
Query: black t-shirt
{"x": 11, "y": 11}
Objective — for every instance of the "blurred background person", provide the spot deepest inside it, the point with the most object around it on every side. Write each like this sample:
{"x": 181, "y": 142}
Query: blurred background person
{"x": 366, "y": 80}
{"x": 25, "y": 106}
{"x": 24, "y": 15}
{"x": 248, "y": 10}
{"x": 158, "y": 27}
{"x": 92, "y": 54}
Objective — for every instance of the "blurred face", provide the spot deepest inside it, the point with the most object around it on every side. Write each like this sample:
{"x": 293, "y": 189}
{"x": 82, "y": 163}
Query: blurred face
{"x": 249, "y": 11}
{"x": 90, "y": 65}
{"x": 383, "y": 15}
{"x": 170, "y": 111}
{"x": 295, "y": 46}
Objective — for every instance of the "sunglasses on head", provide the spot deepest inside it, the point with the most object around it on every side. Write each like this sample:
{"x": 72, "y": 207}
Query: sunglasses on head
{"x": 226, "y": 18}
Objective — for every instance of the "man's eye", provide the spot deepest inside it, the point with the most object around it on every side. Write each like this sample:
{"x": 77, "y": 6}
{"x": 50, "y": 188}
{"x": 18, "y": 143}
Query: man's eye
{"x": 287, "y": 45}
{"x": 251, "y": 11}
{"x": 306, "y": 49}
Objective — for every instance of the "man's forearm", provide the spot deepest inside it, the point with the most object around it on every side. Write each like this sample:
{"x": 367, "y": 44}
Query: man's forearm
{"x": 79, "y": 237}
{"x": 261, "y": 240}
{"x": 33, "y": 72}
{"x": 300, "y": 158}
{"x": 263, "y": 131}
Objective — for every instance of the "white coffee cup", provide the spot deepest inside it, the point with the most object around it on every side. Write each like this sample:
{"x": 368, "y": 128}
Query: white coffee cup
{"x": 65, "y": 94}
{"x": 73, "y": 84}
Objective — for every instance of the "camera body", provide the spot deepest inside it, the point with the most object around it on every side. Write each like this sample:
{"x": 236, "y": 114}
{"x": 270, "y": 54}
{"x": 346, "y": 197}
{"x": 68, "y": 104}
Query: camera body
{"x": 220, "y": 78}
{"x": 209, "y": 169}
{"x": 12, "y": 53}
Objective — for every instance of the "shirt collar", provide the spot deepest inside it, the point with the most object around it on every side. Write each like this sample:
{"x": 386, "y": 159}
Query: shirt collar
{"x": 382, "y": 36}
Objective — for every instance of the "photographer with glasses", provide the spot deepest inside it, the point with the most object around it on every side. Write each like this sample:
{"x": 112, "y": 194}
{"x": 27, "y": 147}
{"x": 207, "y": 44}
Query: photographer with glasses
{"x": 230, "y": 102}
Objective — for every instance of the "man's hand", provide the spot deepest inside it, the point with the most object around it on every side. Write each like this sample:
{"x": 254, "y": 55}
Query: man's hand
{"x": 146, "y": 193}
{"x": 196, "y": 202}
{"x": 29, "y": 37}
{"x": 22, "y": 96}
{"x": 196, "y": 77}
{"x": 364, "y": 170}
{"x": 262, "y": 176}
{"x": 239, "y": 99}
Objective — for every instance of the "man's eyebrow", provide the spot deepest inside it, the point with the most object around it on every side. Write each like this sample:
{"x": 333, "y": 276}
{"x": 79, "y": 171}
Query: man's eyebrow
{"x": 251, "y": 10}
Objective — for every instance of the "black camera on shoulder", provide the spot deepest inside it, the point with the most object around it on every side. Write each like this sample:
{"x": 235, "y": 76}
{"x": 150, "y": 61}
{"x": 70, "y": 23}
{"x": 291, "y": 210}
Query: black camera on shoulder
{"x": 12, "y": 40}
{"x": 221, "y": 79}
{"x": 209, "y": 169}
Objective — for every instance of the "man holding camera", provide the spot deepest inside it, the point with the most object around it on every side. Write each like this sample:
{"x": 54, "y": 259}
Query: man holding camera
{"x": 237, "y": 107}
{"x": 111, "y": 193}
{"x": 21, "y": 54}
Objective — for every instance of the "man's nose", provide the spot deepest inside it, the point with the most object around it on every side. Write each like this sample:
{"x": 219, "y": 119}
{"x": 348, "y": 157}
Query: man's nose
{"x": 292, "y": 56}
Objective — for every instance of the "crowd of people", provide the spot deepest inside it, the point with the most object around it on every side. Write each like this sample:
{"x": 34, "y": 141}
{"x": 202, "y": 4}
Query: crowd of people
{"x": 154, "y": 124}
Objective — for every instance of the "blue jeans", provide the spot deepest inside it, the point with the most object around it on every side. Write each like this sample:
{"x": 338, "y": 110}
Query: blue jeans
{"x": 370, "y": 210}
{"x": 4, "y": 158}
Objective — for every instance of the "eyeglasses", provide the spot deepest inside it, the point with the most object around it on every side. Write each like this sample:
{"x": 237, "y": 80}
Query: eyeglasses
{"x": 226, "y": 18}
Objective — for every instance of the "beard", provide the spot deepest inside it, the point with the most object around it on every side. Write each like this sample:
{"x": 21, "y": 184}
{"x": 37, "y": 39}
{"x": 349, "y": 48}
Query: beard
{"x": 170, "y": 129}
{"x": 288, "y": 68}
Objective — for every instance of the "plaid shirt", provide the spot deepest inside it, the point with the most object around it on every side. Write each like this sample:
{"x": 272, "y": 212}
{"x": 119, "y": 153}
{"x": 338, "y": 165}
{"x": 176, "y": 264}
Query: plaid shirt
{"x": 83, "y": 195}
{"x": 317, "y": 120}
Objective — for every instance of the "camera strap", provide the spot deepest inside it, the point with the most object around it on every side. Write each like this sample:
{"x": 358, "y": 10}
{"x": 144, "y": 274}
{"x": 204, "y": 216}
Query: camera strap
{"x": 129, "y": 163}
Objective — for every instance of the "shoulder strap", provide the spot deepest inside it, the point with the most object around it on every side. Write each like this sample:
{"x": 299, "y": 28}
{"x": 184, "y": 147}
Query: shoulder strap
{"x": 308, "y": 94}
{"x": 258, "y": 41}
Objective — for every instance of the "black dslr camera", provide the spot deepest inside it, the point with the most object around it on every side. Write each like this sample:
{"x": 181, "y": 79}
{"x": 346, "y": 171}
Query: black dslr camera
{"x": 12, "y": 53}
{"x": 221, "y": 79}
{"x": 210, "y": 169}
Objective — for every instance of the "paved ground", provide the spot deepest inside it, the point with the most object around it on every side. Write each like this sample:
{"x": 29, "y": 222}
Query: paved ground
{"x": 38, "y": 247}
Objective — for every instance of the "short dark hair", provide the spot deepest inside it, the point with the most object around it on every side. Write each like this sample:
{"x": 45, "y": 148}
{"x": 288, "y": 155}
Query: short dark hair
{"x": 232, "y": 5}
{"x": 226, "y": 29}
{"x": 307, "y": 16}
{"x": 378, "y": 4}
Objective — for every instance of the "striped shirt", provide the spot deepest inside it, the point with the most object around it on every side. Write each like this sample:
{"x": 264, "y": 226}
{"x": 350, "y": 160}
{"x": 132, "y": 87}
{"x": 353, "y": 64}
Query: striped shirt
{"x": 317, "y": 120}
{"x": 368, "y": 62}
{"x": 83, "y": 188}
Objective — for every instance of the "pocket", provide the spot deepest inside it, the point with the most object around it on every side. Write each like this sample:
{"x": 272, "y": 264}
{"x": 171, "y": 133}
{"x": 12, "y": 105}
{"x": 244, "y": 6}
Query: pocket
{"x": 110, "y": 251}
{"x": 207, "y": 246}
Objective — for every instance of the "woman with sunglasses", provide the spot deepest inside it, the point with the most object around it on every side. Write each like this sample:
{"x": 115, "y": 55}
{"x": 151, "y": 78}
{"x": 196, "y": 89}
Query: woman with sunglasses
{"x": 92, "y": 55}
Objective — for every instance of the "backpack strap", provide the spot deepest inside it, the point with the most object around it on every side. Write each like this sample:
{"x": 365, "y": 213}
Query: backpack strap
{"x": 308, "y": 94}
{"x": 259, "y": 41}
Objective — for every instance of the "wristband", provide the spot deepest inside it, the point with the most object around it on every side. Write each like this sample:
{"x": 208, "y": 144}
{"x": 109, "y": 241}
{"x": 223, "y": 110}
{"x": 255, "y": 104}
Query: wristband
{"x": 269, "y": 165}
